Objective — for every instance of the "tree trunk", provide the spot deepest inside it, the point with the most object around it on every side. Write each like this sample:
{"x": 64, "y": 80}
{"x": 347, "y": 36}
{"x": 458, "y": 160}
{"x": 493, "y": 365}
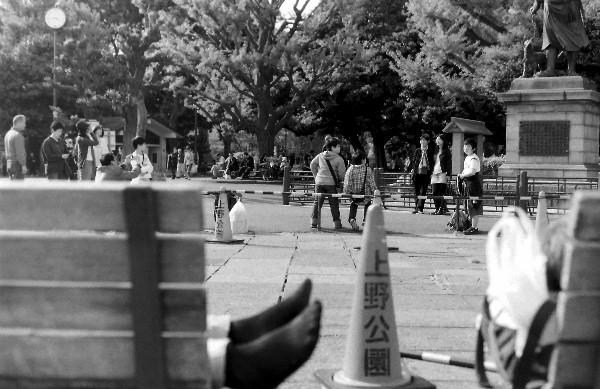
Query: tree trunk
{"x": 354, "y": 140}
{"x": 379, "y": 149}
{"x": 130, "y": 130}
{"x": 266, "y": 142}
{"x": 203, "y": 146}
{"x": 142, "y": 114}
{"x": 226, "y": 146}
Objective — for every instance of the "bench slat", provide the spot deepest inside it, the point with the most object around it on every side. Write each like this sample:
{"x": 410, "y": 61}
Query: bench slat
{"x": 581, "y": 266}
{"x": 573, "y": 366}
{"x": 95, "y": 308}
{"x": 78, "y": 256}
{"x": 586, "y": 211}
{"x": 67, "y": 206}
{"x": 81, "y": 359}
{"x": 578, "y": 316}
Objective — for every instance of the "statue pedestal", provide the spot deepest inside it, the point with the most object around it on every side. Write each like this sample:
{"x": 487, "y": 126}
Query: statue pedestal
{"x": 552, "y": 126}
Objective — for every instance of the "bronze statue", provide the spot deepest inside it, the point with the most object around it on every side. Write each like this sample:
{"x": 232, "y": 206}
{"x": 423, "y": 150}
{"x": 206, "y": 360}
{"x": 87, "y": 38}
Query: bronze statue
{"x": 563, "y": 31}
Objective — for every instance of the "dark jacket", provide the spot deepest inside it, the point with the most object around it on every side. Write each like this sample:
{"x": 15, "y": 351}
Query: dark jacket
{"x": 417, "y": 159}
{"x": 52, "y": 151}
{"x": 248, "y": 162}
{"x": 446, "y": 161}
{"x": 82, "y": 145}
{"x": 172, "y": 161}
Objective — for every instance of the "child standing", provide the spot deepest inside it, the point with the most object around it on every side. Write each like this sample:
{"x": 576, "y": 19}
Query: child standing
{"x": 359, "y": 180}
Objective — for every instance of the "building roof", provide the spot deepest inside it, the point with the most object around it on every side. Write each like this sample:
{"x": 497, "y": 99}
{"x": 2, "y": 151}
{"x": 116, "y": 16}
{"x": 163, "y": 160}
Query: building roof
{"x": 117, "y": 123}
{"x": 466, "y": 126}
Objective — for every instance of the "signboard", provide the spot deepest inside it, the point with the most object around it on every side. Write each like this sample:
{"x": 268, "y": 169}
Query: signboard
{"x": 544, "y": 138}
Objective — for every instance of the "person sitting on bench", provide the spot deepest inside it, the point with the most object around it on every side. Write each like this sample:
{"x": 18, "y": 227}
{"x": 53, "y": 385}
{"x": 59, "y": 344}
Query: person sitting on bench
{"x": 110, "y": 171}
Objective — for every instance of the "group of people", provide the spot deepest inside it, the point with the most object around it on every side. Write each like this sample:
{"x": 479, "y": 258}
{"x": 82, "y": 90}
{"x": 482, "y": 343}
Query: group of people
{"x": 181, "y": 163}
{"x": 85, "y": 158}
{"x": 430, "y": 165}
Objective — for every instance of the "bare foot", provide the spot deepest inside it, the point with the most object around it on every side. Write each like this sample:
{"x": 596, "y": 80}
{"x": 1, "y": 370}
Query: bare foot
{"x": 267, "y": 361}
{"x": 245, "y": 330}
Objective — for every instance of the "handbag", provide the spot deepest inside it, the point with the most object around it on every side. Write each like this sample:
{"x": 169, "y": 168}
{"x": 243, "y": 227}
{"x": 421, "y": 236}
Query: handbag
{"x": 339, "y": 186}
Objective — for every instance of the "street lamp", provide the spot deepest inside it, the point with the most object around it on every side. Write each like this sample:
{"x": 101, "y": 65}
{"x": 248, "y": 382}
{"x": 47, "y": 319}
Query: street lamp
{"x": 55, "y": 19}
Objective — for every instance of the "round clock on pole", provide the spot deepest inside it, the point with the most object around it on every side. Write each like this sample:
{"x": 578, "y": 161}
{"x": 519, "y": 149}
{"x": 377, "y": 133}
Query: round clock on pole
{"x": 55, "y": 18}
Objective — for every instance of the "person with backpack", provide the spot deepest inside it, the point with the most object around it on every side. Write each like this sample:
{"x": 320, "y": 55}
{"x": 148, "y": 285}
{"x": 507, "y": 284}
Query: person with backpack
{"x": 473, "y": 187}
{"x": 359, "y": 180}
{"x": 327, "y": 168}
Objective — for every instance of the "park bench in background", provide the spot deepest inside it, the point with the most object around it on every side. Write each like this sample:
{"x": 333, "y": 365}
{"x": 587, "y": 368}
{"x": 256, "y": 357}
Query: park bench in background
{"x": 576, "y": 359}
{"x": 101, "y": 287}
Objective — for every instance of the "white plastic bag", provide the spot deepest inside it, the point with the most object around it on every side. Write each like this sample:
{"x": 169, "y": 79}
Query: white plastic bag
{"x": 517, "y": 273}
{"x": 239, "y": 218}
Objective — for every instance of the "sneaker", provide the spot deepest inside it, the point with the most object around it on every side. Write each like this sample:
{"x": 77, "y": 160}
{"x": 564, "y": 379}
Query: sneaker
{"x": 415, "y": 211}
{"x": 354, "y": 225}
{"x": 421, "y": 212}
{"x": 337, "y": 225}
{"x": 471, "y": 231}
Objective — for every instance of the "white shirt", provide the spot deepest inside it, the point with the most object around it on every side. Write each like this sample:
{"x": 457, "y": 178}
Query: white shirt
{"x": 89, "y": 157}
{"x": 471, "y": 164}
{"x": 142, "y": 160}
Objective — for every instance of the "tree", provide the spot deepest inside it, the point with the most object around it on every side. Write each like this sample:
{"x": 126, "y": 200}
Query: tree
{"x": 251, "y": 67}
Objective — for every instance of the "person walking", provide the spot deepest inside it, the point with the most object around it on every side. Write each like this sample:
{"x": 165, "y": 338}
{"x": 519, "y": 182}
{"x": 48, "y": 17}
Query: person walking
{"x": 188, "y": 161}
{"x": 172, "y": 163}
{"x": 470, "y": 176}
{"x": 441, "y": 169}
{"x": 55, "y": 154}
{"x": 359, "y": 180}
{"x": 180, "y": 163}
{"x": 14, "y": 146}
{"x": 84, "y": 143}
{"x": 421, "y": 173}
{"x": 327, "y": 168}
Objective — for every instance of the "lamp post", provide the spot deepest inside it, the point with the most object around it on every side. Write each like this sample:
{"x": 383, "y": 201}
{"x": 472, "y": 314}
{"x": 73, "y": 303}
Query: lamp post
{"x": 55, "y": 19}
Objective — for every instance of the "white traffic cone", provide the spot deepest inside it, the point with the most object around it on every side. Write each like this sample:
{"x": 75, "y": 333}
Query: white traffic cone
{"x": 223, "y": 233}
{"x": 239, "y": 217}
{"x": 541, "y": 216}
{"x": 372, "y": 355}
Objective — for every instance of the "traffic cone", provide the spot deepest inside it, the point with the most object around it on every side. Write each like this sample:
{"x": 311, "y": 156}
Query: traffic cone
{"x": 541, "y": 217}
{"x": 372, "y": 356}
{"x": 223, "y": 232}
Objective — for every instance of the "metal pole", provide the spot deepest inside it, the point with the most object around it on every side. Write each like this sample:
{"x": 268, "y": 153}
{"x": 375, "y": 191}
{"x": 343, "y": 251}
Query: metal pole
{"x": 196, "y": 159}
{"x": 54, "y": 95}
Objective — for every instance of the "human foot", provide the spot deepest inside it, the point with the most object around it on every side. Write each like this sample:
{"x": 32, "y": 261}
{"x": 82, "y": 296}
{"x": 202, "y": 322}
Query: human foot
{"x": 250, "y": 328}
{"x": 267, "y": 361}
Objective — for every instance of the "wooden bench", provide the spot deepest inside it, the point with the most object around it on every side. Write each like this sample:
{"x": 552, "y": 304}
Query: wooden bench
{"x": 101, "y": 286}
{"x": 575, "y": 361}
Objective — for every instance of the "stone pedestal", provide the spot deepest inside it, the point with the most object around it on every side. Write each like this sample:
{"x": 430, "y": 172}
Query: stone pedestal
{"x": 552, "y": 127}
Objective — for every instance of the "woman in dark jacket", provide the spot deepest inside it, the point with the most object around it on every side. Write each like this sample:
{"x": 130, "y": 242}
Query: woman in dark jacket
{"x": 442, "y": 166}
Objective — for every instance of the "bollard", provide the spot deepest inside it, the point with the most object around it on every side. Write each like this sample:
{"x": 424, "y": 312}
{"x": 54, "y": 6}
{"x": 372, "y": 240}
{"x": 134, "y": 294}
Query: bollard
{"x": 541, "y": 217}
{"x": 223, "y": 233}
{"x": 523, "y": 190}
{"x": 286, "y": 186}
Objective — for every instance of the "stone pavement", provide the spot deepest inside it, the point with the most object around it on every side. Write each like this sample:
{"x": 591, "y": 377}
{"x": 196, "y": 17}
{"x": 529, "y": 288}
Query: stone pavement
{"x": 438, "y": 280}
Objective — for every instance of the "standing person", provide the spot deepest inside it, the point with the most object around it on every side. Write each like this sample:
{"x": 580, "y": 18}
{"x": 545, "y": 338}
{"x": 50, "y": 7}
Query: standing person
{"x": 327, "y": 168}
{"x": 359, "y": 180}
{"x": 14, "y": 146}
{"x": 84, "y": 143}
{"x": 422, "y": 163}
{"x": 470, "y": 175}
{"x": 188, "y": 161}
{"x": 180, "y": 163}
{"x": 101, "y": 148}
{"x": 172, "y": 163}
{"x": 71, "y": 159}
{"x": 55, "y": 154}
{"x": 140, "y": 160}
{"x": 439, "y": 177}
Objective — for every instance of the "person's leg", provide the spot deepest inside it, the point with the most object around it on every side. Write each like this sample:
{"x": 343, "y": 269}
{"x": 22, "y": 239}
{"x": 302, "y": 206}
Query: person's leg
{"x": 86, "y": 174}
{"x": 551, "y": 55}
{"x": 416, "y": 184}
{"x": 353, "y": 210}
{"x": 437, "y": 192}
{"x": 317, "y": 205}
{"x": 474, "y": 221}
{"x": 53, "y": 176}
{"x": 443, "y": 205}
{"x": 270, "y": 359}
{"x": 16, "y": 171}
{"x": 420, "y": 187}
{"x": 334, "y": 205}
{"x": 367, "y": 205}
{"x": 571, "y": 61}
{"x": 251, "y": 328}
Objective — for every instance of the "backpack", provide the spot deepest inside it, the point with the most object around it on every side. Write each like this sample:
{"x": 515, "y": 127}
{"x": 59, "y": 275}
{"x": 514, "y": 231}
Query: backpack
{"x": 463, "y": 221}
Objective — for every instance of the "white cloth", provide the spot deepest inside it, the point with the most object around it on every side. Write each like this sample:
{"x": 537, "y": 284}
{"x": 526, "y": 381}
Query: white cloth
{"x": 142, "y": 160}
{"x": 217, "y": 331}
{"x": 438, "y": 177}
{"x": 471, "y": 165}
{"x": 89, "y": 156}
{"x": 100, "y": 149}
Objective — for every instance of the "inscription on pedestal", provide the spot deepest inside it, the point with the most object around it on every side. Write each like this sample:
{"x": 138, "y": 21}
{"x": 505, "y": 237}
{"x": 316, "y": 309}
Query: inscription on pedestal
{"x": 544, "y": 138}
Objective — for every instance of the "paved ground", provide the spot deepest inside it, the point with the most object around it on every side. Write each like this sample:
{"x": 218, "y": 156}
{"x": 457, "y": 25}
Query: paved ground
{"x": 438, "y": 280}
